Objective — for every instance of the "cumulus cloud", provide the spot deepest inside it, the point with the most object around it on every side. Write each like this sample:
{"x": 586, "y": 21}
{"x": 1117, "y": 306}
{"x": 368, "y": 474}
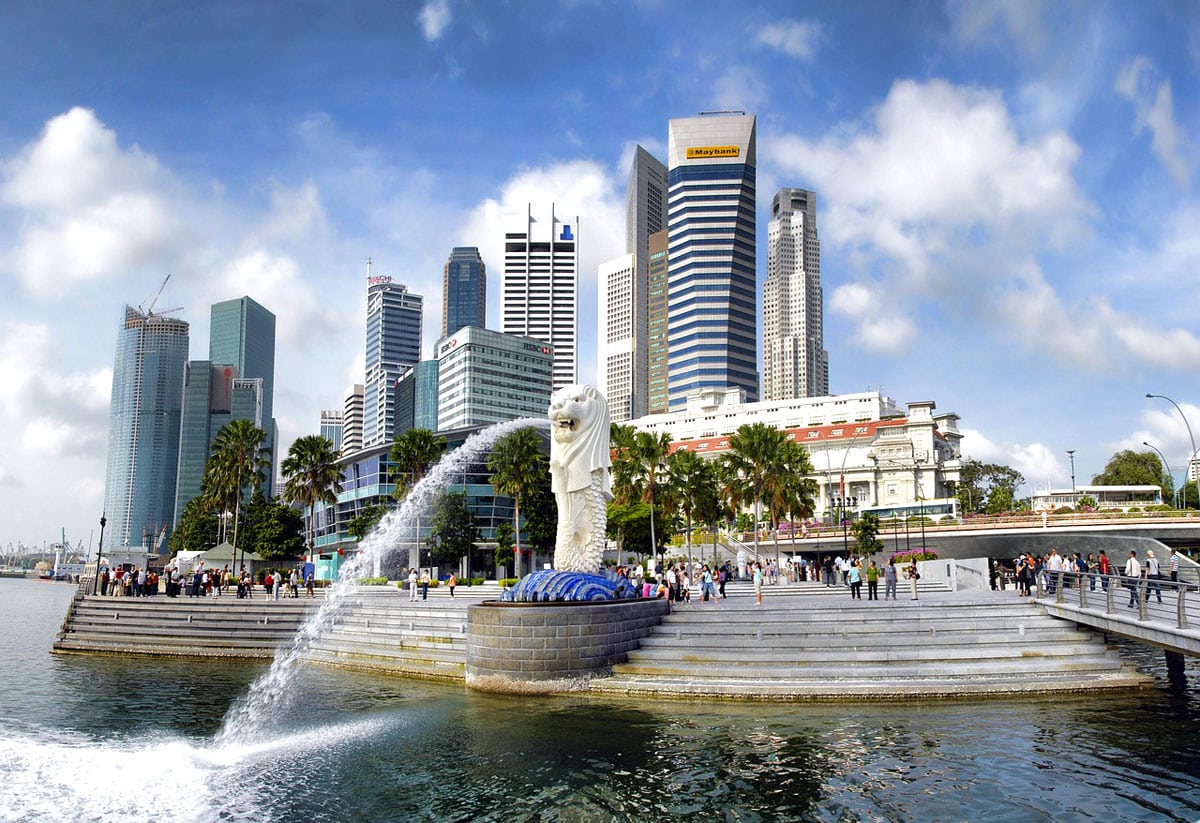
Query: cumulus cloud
{"x": 1154, "y": 109}
{"x": 1037, "y": 463}
{"x": 1019, "y": 22}
{"x": 434, "y": 18}
{"x": 795, "y": 38}
{"x": 91, "y": 209}
{"x": 940, "y": 201}
{"x": 1162, "y": 427}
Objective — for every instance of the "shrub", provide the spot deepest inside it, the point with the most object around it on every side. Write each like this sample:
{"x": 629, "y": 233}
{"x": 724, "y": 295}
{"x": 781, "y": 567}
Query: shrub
{"x": 373, "y": 581}
{"x": 476, "y": 581}
{"x": 509, "y": 581}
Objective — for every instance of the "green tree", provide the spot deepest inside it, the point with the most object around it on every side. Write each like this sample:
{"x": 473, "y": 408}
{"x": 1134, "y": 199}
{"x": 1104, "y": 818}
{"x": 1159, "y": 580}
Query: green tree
{"x": 1130, "y": 468}
{"x": 987, "y": 487}
{"x": 361, "y": 524}
{"x": 453, "y": 533}
{"x": 541, "y": 516}
{"x": 646, "y": 463}
{"x": 694, "y": 483}
{"x": 504, "y": 546}
{"x": 273, "y": 530}
{"x": 630, "y": 522}
{"x": 753, "y": 461}
{"x": 788, "y": 491}
{"x": 412, "y": 455}
{"x": 197, "y": 528}
{"x": 516, "y": 462}
{"x": 1190, "y": 497}
{"x": 311, "y": 476}
{"x": 238, "y": 461}
{"x": 866, "y": 535}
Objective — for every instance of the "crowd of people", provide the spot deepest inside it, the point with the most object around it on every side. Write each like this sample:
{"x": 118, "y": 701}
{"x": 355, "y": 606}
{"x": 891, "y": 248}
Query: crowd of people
{"x": 135, "y": 581}
{"x": 1097, "y": 569}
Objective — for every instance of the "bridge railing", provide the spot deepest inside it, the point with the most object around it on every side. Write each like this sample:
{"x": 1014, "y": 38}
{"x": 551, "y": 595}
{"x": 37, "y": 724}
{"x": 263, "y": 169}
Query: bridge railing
{"x": 1155, "y": 599}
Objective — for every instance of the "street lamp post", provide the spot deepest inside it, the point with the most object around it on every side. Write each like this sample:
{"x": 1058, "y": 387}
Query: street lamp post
{"x": 1074, "y": 501}
{"x": 1188, "y": 466}
{"x": 99, "y": 551}
{"x": 1167, "y": 469}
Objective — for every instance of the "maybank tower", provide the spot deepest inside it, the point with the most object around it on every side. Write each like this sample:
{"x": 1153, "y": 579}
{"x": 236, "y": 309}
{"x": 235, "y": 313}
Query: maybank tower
{"x": 711, "y": 285}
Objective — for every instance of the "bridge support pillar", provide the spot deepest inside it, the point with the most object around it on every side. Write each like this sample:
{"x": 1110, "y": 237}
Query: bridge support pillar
{"x": 1174, "y": 667}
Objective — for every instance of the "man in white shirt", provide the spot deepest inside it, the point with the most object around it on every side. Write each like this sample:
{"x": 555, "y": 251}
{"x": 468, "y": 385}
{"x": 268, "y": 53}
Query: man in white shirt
{"x": 1153, "y": 573}
{"x": 1133, "y": 570}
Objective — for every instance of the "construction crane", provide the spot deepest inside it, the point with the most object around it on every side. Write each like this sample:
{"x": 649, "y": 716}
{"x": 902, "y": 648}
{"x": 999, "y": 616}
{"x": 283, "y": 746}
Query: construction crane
{"x": 149, "y": 311}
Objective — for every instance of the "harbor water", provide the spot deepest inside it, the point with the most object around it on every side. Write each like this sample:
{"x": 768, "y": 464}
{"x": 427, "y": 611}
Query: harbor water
{"x": 129, "y": 739}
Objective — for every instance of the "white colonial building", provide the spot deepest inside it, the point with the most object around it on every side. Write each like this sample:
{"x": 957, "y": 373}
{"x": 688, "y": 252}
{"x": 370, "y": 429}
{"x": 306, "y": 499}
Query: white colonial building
{"x": 861, "y": 446}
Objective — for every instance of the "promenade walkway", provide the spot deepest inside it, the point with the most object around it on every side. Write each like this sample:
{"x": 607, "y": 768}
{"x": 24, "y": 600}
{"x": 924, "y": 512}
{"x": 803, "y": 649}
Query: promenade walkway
{"x": 1158, "y": 612}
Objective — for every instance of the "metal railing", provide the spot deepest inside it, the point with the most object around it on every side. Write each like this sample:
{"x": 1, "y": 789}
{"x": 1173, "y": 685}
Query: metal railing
{"x": 1086, "y": 587}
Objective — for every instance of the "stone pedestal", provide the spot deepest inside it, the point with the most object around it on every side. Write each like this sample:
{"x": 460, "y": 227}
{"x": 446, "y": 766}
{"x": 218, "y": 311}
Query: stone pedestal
{"x": 553, "y": 647}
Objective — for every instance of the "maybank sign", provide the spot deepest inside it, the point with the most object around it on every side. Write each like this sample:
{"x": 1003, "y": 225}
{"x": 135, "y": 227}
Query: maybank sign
{"x": 705, "y": 152}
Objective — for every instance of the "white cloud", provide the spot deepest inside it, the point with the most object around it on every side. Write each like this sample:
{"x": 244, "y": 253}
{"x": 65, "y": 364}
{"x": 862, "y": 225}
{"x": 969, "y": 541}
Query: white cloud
{"x": 795, "y": 38}
{"x": 1037, "y": 463}
{"x": 1163, "y": 428}
{"x": 1154, "y": 109}
{"x": 434, "y": 17}
{"x": 881, "y": 328}
{"x": 974, "y": 22}
{"x": 739, "y": 88}
{"x": 90, "y": 209}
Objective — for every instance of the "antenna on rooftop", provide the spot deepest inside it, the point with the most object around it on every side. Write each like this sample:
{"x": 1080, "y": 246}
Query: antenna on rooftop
{"x": 368, "y": 267}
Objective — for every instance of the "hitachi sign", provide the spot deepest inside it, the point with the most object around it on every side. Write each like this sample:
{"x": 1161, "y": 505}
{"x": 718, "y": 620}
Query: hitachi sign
{"x": 380, "y": 278}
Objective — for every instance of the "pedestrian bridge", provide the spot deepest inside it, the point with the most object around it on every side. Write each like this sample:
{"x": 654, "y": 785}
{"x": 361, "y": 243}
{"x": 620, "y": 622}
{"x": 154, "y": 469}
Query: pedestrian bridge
{"x": 1159, "y": 612}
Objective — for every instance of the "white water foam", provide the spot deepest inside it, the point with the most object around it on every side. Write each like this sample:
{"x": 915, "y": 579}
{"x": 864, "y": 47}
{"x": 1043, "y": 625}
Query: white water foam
{"x": 272, "y": 692}
{"x": 62, "y": 776}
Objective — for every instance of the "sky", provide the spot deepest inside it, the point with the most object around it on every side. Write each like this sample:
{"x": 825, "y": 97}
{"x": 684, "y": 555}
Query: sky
{"x": 1006, "y": 195}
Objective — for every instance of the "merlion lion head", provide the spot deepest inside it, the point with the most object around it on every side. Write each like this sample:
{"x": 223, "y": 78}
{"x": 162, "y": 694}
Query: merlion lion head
{"x": 579, "y": 442}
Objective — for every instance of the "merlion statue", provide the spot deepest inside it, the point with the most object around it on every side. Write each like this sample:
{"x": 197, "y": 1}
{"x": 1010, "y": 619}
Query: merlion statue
{"x": 579, "y": 463}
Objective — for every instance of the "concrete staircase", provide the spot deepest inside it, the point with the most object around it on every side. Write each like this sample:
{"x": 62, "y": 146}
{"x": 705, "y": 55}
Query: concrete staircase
{"x": 377, "y": 629}
{"x": 182, "y": 626}
{"x": 794, "y": 648}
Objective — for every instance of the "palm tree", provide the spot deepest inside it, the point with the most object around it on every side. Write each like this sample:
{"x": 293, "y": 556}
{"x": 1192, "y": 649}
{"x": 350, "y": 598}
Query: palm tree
{"x": 413, "y": 454}
{"x": 516, "y": 462}
{"x": 238, "y": 461}
{"x": 311, "y": 476}
{"x": 647, "y": 458}
{"x": 754, "y": 462}
{"x": 694, "y": 485}
{"x": 789, "y": 491}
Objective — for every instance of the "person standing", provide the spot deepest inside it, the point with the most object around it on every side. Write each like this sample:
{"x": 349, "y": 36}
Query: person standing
{"x": 913, "y": 577}
{"x": 309, "y": 585}
{"x": 1173, "y": 566}
{"x": 758, "y": 583}
{"x": 872, "y": 581}
{"x": 1153, "y": 574}
{"x": 412, "y": 585}
{"x": 889, "y": 579}
{"x": 854, "y": 580}
{"x": 424, "y": 585}
{"x": 1105, "y": 569}
{"x": 276, "y": 585}
{"x": 1133, "y": 571}
{"x": 451, "y": 583}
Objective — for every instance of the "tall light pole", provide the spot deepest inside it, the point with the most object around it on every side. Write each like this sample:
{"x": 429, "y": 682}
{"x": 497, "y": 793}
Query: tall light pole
{"x": 1188, "y": 466}
{"x": 99, "y": 551}
{"x": 1167, "y": 469}
{"x": 1074, "y": 500}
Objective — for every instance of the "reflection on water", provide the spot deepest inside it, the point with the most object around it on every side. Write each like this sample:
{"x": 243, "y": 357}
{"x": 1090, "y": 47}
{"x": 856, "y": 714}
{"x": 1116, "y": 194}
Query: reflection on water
{"x": 89, "y": 731}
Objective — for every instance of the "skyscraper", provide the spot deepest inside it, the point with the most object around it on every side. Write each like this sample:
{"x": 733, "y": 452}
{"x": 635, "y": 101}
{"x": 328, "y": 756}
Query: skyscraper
{"x": 622, "y": 349}
{"x": 795, "y": 363}
{"x": 464, "y": 290}
{"x": 143, "y": 426}
{"x": 331, "y": 427}
{"x": 657, "y": 344}
{"x": 213, "y": 396}
{"x": 540, "y": 287}
{"x": 623, "y": 294}
{"x": 393, "y": 346}
{"x": 486, "y": 377}
{"x": 711, "y": 247}
{"x": 352, "y": 420}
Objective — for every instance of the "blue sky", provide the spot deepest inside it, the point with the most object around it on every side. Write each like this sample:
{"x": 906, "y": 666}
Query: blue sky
{"x": 1006, "y": 194}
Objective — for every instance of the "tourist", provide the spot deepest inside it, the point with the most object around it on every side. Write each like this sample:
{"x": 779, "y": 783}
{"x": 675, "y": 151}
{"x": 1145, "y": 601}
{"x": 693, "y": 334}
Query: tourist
{"x": 722, "y": 576}
{"x": 706, "y": 585}
{"x": 758, "y": 583}
{"x": 424, "y": 585}
{"x": 685, "y": 586}
{"x": 1133, "y": 572}
{"x": 1153, "y": 573}
{"x": 309, "y": 584}
{"x": 1105, "y": 569}
{"x": 1173, "y": 566}
{"x": 673, "y": 584}
{"x": 276, "y": 585}
{"x": 872, "y": 575}
{"x": 1091, "y": 566}
{"x": 913, "y": 577}
{"x": 889, "y": 579}
{"x": 854, "y": 580}
{"x": 451, "y": 583}
{"x": 412, "y": 585}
